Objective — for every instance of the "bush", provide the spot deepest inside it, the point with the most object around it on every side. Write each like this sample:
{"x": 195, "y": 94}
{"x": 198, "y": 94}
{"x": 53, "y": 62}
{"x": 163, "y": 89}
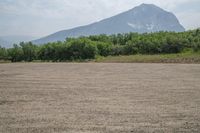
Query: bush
{"x": 172, "y": 45}
{"x": 104, "y": 49}
{"x": 52, "y": 51}
{"x": 29, "y": 51}
{"x": 130, "y": 49}
{"x": 82, "y": 49}
{"x": 196, "y": 47}
{"x": 103, "y": 45}
{"x": 117, "y": 50}
{"x": 15, "y": 53}
{"x": 3, "y": 54}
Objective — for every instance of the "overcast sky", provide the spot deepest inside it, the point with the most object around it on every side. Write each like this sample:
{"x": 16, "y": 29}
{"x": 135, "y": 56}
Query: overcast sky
{"x": 42, "y": 17}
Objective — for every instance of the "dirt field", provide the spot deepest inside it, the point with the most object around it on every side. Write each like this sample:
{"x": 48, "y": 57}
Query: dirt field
{"x": 99, "y": 98}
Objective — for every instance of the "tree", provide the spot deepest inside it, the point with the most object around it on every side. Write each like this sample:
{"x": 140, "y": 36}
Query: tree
{"x": 172, "y": 45}
{"x": 82, "y": 48}
{"x": 117, "y": 50}
{"x": 3, "y": 54}
{"x": 104, "y": 49}
{"x": 29, "y": 51}
{"x": 130, "y": 48}
{"x": 15, "y": 53}
{"x": 120, "y": 44}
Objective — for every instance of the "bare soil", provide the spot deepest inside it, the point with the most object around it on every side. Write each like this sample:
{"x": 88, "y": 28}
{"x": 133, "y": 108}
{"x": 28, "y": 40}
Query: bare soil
{"x": 99, "y": 98}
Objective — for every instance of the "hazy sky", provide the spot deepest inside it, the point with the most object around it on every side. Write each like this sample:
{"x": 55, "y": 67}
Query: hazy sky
{"x": 42, "y": 17}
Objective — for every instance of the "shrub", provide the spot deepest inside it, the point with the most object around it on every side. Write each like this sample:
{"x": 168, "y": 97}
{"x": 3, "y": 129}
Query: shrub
{"x": 130, "y": 49}
{"x": 172, "y": 45}
{"x": 3, "y": 53}
{"x": 15, "y": 53}
{"x": 29, "y": 51}
{"x": 82, "y": 49}
{"x": 117, "y": 50}
{"x": 104, "y": 49}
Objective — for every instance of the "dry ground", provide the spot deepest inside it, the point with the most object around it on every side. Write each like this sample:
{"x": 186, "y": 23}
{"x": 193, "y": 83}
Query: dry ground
{"x": 99, "y": 98}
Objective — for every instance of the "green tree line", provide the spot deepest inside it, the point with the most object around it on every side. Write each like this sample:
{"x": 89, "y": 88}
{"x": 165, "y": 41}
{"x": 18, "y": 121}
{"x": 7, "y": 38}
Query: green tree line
{"x": 104, "y": 45}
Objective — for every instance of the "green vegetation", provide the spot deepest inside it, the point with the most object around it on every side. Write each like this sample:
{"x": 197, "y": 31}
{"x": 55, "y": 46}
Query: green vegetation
{"x": 147, "y": 47}
{"x": 161, "y": 58}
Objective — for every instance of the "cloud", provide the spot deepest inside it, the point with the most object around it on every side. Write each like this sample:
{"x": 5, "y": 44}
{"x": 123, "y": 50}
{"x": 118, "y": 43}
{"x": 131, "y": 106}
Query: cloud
{"x": 42, "y": 17}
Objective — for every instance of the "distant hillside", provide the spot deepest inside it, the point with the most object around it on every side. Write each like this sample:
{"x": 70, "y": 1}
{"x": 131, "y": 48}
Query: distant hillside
{"x": 8, "y": 41}
{"x": 143, "y": 18}
{"x": 4, "y": 43}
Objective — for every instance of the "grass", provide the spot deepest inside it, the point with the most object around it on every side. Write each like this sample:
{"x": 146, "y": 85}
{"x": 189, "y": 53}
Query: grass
{"x": 5, "y": 61}
{"x": 187, "y": 57}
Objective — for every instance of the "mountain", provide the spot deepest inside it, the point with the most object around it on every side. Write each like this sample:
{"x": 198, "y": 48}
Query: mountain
{"x": 141, "y": 19}
{"x": 8, "y": 41}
